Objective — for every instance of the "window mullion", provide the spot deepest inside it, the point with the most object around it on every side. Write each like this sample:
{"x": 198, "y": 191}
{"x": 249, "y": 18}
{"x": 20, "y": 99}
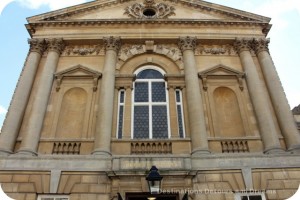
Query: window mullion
{"x": 150, "y": 108}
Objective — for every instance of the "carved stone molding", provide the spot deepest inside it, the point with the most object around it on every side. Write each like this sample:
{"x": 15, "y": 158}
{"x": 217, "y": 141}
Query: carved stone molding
{"x": 149, "y": 10}
{"x": 242, "y": 44}
{"x": 261, "y": 44}
{"x": 221, "y": 72}
{"x": 112, "y": 43}
{"x": 37, "y": 45}
{"x": 171, "y": 51}
{"x": 215, "y": 50}
{"x": 187, "y": 43}
{"x": 55, "y": 44}
{"x": 78, "y": 72}
{"x": 83, "y": 50}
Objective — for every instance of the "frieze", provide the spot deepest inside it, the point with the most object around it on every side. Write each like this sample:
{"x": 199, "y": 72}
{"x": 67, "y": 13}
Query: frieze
{"x": 215, "y": 50}
{"x": 84, "y": 50}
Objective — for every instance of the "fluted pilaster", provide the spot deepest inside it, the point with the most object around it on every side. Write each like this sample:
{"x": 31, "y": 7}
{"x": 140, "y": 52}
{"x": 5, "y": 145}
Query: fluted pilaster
{"x": 259, "y": 98}
{"x": 105, "y": 112}
{"x": 279, "y": 100}
{"x": 194, "y": 99}
{"x": 21, "y": 96}
{"x": 33, "y": 129}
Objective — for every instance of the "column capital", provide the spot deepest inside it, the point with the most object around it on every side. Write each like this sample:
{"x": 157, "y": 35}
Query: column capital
{"x": 56, "y": 44}
{"x": 187, "y": 43}
{"x": 112, "y": 43}
{"x": 242, "y": 44}
{"x": 260, "y": 44}
{"x": 37, "y": 45}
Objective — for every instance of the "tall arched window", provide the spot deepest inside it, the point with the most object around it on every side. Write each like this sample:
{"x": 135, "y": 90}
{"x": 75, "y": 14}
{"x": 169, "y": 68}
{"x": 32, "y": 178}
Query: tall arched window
{"x": 150, "y": 105}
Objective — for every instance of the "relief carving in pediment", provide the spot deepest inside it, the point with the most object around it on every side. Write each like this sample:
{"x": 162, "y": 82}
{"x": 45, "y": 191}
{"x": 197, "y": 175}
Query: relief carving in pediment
{"x": 149, "y": 10}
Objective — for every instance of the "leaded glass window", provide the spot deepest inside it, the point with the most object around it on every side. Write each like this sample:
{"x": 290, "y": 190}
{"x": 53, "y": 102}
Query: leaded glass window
{"x": 179, "y": 109}
{"x": 121, "y": 101}
{"x": 150, "y": 106}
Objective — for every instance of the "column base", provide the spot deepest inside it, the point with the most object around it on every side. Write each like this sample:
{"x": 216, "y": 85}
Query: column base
{"x": 26, "y": 152}
{"x": 294, "y": 149}
{"x": 200, "y": 152}
{"x": 101, "y": 153}
{"x": 274, "y": 150}
{"x": 4, "y": 152}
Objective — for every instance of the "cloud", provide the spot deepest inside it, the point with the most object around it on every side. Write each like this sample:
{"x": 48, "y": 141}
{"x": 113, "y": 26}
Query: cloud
{"x": 53, "y": 4}
{"x": 2, "y": 110}
{"x": 35, "y": 4}
{"x": 276, "y": 10}
{"x": 4, "y": 3}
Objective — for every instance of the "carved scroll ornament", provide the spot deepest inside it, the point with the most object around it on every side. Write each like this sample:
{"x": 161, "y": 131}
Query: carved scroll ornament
{"x": 149, "y": 10}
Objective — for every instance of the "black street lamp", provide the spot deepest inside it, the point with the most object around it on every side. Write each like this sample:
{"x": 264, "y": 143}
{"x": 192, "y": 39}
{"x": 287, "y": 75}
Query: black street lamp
{"x": 154, "y": 180}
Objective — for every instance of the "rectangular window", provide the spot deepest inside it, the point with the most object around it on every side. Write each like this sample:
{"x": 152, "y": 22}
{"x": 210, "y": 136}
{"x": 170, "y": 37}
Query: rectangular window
{"x": 179, "y": 109}
{"x": 121, "y": 103}
{"x": 250, "y": 196}
{"x": 53, "y": 197}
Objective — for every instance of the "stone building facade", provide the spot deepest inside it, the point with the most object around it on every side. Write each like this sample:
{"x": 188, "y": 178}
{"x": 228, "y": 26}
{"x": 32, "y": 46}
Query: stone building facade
{"x": 112, "y": 87}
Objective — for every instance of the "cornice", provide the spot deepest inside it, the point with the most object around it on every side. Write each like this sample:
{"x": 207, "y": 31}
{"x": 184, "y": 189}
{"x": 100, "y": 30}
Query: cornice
{"x": 202, "y": 5}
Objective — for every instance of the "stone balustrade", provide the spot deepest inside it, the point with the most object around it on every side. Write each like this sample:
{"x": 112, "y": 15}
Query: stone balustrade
{"x": 151, "y": 148}
{"x": 71, "y": 148}
{"x": 235, "y": 146}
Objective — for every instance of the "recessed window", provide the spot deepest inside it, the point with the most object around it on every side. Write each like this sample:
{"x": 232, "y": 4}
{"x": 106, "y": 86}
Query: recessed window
{"x": 250, "y": 196}
{"x": 121, "y": 104}
{"x": 179, "y": 109}
{"x": 149, "y": 12}
{"x": 150, "y": 106}
{"x": 53, "y": 197}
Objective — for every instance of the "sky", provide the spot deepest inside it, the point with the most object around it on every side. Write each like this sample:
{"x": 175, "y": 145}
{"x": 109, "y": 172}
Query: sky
{"x": 284, "y": 35}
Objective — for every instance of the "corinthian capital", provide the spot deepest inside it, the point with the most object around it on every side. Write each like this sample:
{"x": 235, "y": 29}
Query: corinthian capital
{"x": 112, "y": 43}
{"x": 37, "y": 45}
{"x": 187, "y": 43}
{"x": 56, "y": 44}
{"x": 242, "y": 44}
{"x": 260, "y": 44}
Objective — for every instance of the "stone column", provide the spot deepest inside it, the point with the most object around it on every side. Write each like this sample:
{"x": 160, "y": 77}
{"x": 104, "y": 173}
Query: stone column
{"x": 259, "y": 98}
{"x": 105, "y": 112}
{"x": 194, "y": 100}
{"x": 32, "y": 132}
{"x": 279, "y": 100}
{"x": 20, "y": 99}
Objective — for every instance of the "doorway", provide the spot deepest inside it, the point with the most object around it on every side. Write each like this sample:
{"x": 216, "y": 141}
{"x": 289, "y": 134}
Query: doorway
{"x": 145, "y": 196}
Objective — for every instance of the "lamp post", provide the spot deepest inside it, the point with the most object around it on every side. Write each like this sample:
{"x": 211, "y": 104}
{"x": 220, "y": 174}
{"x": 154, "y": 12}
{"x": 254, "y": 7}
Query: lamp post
{"x": 154, "y": 180}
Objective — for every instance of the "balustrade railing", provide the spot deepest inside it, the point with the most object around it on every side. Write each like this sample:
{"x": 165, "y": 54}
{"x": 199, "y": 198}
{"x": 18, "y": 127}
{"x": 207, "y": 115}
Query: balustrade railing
{"x": 151, "y": 148}
{"x": 72, "y": 148}
{"x": 234, "y": 146}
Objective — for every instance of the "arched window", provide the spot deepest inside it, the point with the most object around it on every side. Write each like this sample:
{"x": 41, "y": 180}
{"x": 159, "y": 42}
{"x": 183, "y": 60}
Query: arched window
{"x": 150, "y": 105}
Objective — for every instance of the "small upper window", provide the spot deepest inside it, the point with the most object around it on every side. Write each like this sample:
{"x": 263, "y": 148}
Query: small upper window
{"x": 53, "y": 197}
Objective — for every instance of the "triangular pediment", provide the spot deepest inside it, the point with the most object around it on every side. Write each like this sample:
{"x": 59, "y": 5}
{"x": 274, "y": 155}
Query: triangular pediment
{"x": 221, "y": 70}
{"x": 78, "y": 71}
{"x": 147, "y": 10}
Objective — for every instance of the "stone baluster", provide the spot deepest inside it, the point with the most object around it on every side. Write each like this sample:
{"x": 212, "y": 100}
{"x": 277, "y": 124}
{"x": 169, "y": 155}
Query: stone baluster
{"x": 194, "y": 100}
{"x": 279, "y": 100}
{"x": 259, "y": 98}
{"x": 21, "y": 96}
{"x": 105, "y": 110}
{"x": 30, "y": 141}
